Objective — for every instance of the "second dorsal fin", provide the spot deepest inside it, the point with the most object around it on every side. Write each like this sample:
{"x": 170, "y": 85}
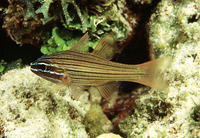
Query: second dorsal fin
{"x": 81, "y": 45}
{"x": 107, "y": 46}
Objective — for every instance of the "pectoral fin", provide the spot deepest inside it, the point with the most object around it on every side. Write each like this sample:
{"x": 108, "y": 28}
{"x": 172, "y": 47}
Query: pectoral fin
{"x": 76, "y": 91}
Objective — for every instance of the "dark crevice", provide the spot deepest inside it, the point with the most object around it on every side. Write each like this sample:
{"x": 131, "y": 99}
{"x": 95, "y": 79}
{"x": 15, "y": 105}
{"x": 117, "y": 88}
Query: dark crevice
{"x": 193, "y": 18}
{"x": 10, "y": 51}
{"x": 138, "y": 49}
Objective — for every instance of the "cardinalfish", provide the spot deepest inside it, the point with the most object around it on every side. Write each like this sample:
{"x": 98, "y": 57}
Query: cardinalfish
{"x": 77, "y": 68}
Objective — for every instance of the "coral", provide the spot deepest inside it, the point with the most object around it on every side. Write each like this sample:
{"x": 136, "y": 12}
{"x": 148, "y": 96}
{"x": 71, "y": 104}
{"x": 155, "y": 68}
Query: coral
{"x": 96, "y": 121}
{"x": 30, "y": 13}
{"x": 34, "y": 21}
{"x": 148, "y": 108}
{"x": 44, "y": 9}
{"x": 20, "y": 30}
{"x": 83, "y": 18}
{"x": 174, "y": 23}
{"x": 173, "y": 31}
{"x": 29, "y": 108}
{"x": 32, "y": 106}
{"x": 95, "y": 96}
{"x": 98, "y": 25}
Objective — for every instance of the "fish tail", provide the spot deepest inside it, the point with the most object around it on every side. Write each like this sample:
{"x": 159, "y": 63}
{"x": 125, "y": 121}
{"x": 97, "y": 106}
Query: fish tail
{"x": 153, "y": 71}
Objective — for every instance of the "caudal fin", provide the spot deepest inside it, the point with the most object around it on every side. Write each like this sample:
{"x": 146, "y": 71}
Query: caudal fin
{"x": 153, "y": 73}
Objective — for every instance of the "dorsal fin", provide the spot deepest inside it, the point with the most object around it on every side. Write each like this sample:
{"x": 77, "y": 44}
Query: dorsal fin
{"x": 81, "y": 44}
{"x": 107, "y": 46}
{"x": 106, "y": 90}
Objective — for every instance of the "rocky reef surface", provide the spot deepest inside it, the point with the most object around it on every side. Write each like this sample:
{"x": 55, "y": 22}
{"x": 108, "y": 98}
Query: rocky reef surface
{"x": 30, "y": 106}
{"x": 173, "y": 31}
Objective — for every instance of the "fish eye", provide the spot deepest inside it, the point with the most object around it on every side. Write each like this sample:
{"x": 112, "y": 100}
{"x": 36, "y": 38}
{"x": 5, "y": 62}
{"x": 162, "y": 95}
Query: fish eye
{"x": 42, "y": 67}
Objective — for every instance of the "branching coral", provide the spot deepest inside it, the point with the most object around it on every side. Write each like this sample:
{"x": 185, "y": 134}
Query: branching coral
{"x": 44, "y": 9}
{"x": 83, "y": 17}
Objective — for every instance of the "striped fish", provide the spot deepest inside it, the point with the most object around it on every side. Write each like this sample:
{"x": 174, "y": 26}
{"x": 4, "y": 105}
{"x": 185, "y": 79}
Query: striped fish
{"x": 76, "y": 68}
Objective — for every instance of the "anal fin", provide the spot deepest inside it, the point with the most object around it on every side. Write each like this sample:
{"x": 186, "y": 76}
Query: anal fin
{"x": 107, "y": 89}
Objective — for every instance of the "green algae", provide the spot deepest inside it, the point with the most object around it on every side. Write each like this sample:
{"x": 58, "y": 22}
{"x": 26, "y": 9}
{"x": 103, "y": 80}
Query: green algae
{"x": 61, "y": 38}
{"x": 2, "y": 66}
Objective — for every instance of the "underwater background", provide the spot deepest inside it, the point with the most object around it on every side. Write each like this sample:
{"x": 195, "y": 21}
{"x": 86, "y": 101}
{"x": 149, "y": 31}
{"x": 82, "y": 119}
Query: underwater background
{"x": 146, "y": 30}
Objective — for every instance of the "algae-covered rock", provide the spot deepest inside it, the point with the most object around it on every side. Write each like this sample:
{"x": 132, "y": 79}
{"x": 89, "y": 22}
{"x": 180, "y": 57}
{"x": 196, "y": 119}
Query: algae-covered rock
{"x": 173, "y": 31}
{"x": 96, "y": 121}
{"x": 30, "y": 107}
{"x": 172, "y": 24}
